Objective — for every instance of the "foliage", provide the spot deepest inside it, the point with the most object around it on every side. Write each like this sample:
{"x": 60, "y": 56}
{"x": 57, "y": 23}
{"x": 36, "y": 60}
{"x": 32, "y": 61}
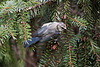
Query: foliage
{"x": 77, "y": 47}
{"x": 13, "y": 23}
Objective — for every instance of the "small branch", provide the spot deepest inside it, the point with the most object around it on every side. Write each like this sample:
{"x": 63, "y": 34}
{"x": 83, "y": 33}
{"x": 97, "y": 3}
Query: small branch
{"x": 31, "y": 8}
{"x": 70, "y": 63}
{"x": 1, "y": 43}
{"x": 3, "y": 30}
{"x": 25, "y": 32}
{"x": 76, "y": 20}
{"x": 92, "y": 47}
{"x": 6, "y": 7}
{"x": 24, "y": 26}
{"x": 10, "y": 33}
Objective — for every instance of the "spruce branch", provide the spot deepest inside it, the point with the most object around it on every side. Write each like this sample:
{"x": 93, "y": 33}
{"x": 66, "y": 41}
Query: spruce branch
{"x": 76, "y": 21}
{"x": 25, "y": 32}
{"x": 3, "y": 29}
{"x": 92, "y": 47}
{"x": 70, "y": 62}
{"x": 31, "y": 8}
{"x": 10, "y": 33}
{"x": 24, "y": 26}
{"x": 6, "y": 8}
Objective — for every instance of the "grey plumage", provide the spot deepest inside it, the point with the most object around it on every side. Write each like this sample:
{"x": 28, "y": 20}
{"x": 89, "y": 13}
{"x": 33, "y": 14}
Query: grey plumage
{"x": 47, "y": 32}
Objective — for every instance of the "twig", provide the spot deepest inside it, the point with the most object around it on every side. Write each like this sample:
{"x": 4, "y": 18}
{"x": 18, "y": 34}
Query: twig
{"x": 31, "y": 8}
{"x": 3, "y": 30}
{"x": 1, "y": 43}
{"x": 92, "y": 47}
{"x": 10, "y": 33}
{"x": 6, "y": 7}
{"x": 24, "y": 26}
{"x": 76, "y": 21}
{"x": 25, "y": 32}
{"x": 70, "y": 63}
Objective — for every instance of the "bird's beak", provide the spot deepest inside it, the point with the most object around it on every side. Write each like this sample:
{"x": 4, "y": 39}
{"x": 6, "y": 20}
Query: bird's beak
{"x": 65, "y": 28}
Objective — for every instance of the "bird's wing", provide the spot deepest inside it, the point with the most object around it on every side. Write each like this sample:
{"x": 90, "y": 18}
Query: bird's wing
{"x": 50, "y": 36}
{"x": 46, "y": 29}
{"x": 40, "y": 32}
{"x": 47, "y": 24}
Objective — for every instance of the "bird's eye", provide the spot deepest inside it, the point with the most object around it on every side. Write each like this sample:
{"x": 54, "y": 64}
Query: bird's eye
{"x": 62, "y": 27}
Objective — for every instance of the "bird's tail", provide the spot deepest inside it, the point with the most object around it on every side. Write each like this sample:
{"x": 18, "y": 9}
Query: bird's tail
{"x": 31, "y": 41}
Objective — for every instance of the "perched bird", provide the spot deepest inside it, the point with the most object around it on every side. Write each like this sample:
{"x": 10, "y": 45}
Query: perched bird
{"x": 47, "y": 32}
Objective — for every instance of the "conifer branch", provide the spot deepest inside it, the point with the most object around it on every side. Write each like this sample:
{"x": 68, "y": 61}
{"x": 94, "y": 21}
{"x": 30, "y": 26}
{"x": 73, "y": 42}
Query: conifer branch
{"x": 39, "y": 5}
{"x": 70, "y": 63}
{"x": 1, "y": 43}
{"x": 9, "y": 30}
{"x": 6, "y": 7}
{"x": 10, "y": 33}
{"x": 92, "y": 47}
{"x": 25, "y": 32}
{"x": 24, "y": 26}
{"x": 3, "y": 30}
{"x": 76, "y": 20}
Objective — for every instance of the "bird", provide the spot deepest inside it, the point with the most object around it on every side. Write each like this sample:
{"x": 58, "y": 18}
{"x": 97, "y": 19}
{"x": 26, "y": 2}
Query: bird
{"x": 47, "y": 31}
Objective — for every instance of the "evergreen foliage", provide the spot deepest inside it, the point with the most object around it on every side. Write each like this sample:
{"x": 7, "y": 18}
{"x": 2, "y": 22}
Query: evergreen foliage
{"x": 77, "y": 47}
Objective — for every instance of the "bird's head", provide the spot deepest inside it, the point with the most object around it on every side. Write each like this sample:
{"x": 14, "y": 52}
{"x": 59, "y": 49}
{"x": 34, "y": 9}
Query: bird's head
{"x": 61, "y": 26}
